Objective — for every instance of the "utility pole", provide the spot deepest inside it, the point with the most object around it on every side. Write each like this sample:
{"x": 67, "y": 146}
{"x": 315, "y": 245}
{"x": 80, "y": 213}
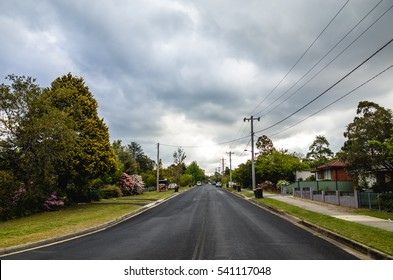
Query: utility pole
{"x": 252, "y": 119}
{"x": 223, "y": 166}
{"x": 158, "y": 166}
{"x": 230, "y": 166}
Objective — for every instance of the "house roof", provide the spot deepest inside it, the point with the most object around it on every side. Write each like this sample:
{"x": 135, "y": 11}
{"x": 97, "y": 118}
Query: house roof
{"x": 335, "y": 164}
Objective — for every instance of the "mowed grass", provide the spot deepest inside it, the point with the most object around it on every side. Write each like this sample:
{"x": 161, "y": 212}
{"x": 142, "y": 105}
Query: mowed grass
{"x": 72, "y": 219}
{"x": 379, "y": 239}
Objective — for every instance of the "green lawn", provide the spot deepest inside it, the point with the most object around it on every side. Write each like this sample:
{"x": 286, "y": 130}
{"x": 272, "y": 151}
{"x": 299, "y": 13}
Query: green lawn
{"x": 373, "y": 237}
{"x": 79, "y": 217}
{"x": 379, "y": 239}
{"x": 72, "y": 219}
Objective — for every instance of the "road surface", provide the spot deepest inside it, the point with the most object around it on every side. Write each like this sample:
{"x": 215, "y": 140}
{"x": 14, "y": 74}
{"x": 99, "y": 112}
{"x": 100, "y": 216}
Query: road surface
{"x": 203, "y": 223}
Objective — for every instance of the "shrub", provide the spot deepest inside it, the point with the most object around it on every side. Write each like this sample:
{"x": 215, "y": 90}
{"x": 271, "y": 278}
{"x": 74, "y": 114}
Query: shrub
{"x": 387, "y": 201}
{"x": 95, "y": 194}
{"x": 53, "y": 202}
{"x": 12, "y": 194}
{"x": 139, "y": 184}
{"x": 109, "y": 191}
{"x": 126, "y": 184}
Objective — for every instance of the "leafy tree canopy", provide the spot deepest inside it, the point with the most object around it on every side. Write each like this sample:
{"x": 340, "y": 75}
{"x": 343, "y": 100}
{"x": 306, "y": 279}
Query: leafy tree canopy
{"x": 278, "y": 165}
{"x": 264, "y": 145}
{"x": 361, "y": 151}
{"x": 197, "y": 173}
{"x": 319, "y": 151}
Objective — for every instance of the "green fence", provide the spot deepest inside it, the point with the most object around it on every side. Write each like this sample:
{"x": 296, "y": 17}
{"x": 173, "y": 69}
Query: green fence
{"x": 370, "y": 200}
{"x": 322, "y": 185}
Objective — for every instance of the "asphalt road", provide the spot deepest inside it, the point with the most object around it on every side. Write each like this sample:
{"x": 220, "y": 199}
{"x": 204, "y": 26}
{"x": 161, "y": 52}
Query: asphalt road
{"x": 203, "y": 223}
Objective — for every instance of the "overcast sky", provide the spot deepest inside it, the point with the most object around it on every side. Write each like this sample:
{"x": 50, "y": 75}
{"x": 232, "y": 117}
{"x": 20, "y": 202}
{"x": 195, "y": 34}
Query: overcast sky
{"x": 186, "y": 73}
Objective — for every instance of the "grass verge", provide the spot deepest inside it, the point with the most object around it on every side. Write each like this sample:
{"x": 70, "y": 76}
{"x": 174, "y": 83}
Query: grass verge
{"x": 72, "y": 219}
{"x": 379, "y": 239}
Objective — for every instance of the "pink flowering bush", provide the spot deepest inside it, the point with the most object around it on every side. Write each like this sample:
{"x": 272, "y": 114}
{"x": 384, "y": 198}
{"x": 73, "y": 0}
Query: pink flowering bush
{"x": 139, "y": 184}
{"x": 18, "y": 195}
{"x": 53, "y": 202}
{"x": 266, "y": 185}
{"x": 126, "y": 184}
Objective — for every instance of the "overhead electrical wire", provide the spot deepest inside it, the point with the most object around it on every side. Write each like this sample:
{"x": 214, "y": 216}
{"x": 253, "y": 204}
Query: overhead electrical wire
{"x": 313, "y": 100}
{"x": 335, "y": 101}
{"x": 339, "y": 54}
{"x": 300, "y": 58}
{"x": 324, "y": 56}
{"x": 327, "y": 90}
{"x": 242, "y": 128}
{"x": 304, "y": 106}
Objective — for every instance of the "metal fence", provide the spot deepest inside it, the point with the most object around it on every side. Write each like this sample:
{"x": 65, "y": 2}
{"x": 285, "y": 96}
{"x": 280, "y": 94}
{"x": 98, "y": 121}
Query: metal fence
{"x": 369, "y": 200}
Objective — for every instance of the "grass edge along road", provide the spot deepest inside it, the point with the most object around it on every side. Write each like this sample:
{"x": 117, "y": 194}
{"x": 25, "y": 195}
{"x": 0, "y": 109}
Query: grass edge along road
{"x": 73, "y": 219}
{"x": 77, "y": 218}
{"x": 375, "y": 238}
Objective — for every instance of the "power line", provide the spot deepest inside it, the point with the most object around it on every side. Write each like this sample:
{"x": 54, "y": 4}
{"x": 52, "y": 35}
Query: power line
{"x": 301, "y": 57}
{"x": 305, "y": 74}
{"x": 204, "y": 146}
{"x": 324, "y": 92}
{"x": 244, "y": 137}
{"x": 335, "y": 101}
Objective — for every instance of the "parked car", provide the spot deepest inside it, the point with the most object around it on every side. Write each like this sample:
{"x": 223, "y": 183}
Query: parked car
{"x": 172, "y": 186}
{"x": 199, "y": 183}
{"x": 218, "y": 185}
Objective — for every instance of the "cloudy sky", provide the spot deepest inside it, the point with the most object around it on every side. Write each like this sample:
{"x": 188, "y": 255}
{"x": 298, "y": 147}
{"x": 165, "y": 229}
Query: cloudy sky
{"x": 187, "y": 73}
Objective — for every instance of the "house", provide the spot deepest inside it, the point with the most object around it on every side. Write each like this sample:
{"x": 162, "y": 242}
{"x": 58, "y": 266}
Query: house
{"x": 334, "y": 170}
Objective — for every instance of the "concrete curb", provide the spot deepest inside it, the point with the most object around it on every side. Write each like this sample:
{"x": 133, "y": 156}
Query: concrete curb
{"x": 70, "y": 236}
{"x": 364, "y": 249}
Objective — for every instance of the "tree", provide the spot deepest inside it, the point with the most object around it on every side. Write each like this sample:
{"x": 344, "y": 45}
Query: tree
{"x": 46, "y": 145}
{"x": 197, "y": 173}
{"x": 186, "y": 179}
{"x": 278, "y": 165}
{"x": 178, "y": 160}
{"x": 319, "y": 151}
{"x": 144, "y": 163}
{"x": 242, "y": 174}
{"x": 361, "y": 151}
{"x": 125, "y": 159}
{"x": 14, "y": 103}
{"x": 11, "y": 196}
{"x": 94, "y": 156}
{"x": 39, "y": 140}
{"x": 264, "y": 145}
{"x": 52, "y": 139}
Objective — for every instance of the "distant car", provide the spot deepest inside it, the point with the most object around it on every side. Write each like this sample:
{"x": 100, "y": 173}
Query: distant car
{"x": 172, "y": 186}
{"x": 199, "y": 183}
{"x": 218, "y": 184}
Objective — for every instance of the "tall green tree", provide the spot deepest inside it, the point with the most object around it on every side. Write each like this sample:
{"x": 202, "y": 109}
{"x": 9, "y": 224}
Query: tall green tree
{"x": 15, "y": 99}
{"x": 131, "y": 158}
{"x": 278, "y": 165}
{"x": 265, "y": 145}
{"x": 373, "y": 124}
{"x": 144, "y": 163}
{"x": 14, "y": 103}
{"x": 179, "y": 156}
{"x": 242, "y": 174}
{"x": 126, "y": 160}
{"x": 197, "y": 173}
{"x": 94, "y": 156}
{"x": 319, "y": 151}
{"x": 46, "y": 146}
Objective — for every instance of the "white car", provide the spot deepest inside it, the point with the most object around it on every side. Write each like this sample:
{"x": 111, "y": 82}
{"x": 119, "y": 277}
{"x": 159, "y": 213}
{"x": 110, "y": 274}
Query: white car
{"x": 172, "y": 186}
{"x": 218, "y": 185}
{"x": 199, "y": 183}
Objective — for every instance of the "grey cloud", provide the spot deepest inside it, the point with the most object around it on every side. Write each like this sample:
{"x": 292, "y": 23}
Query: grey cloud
{"x": 204, "y": 63}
